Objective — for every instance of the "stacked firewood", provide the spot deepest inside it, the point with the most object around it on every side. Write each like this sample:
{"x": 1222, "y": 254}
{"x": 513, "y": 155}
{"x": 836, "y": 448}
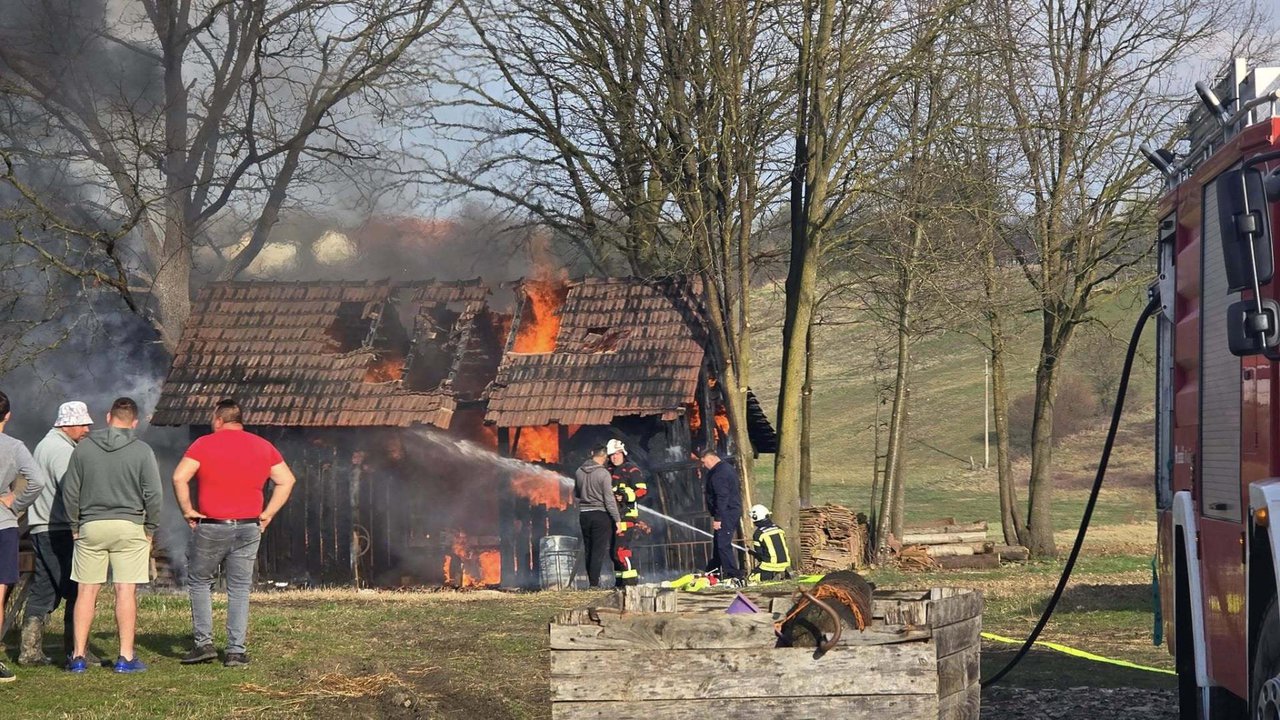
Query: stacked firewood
{"x": 955, "y": 545}
{"x": 832, "y": 538}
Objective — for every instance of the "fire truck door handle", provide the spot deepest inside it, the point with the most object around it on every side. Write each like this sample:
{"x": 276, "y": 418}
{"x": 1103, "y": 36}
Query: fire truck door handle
{"x": 1218, "y": 506}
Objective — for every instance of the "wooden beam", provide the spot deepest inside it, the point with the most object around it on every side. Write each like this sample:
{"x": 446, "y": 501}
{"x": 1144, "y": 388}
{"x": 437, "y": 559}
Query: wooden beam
{"x": 692, "y": 632}
{"x": 881, "y": 707}
{"x": 904, "y": 669}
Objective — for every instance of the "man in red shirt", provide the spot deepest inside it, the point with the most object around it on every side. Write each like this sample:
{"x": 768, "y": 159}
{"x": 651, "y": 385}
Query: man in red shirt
{"x": 231, "y": 468}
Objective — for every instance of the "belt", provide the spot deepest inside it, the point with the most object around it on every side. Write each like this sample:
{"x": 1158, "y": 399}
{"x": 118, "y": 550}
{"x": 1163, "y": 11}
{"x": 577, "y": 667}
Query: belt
{"x": 220, "y": 521}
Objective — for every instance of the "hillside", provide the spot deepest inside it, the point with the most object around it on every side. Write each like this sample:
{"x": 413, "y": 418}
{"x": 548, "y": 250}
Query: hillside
{"x": 946, "y": 420}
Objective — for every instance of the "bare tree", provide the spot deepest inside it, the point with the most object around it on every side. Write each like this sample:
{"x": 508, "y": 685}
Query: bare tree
{"x": 158, "y": 116}
{"x": 1086, "y": 81}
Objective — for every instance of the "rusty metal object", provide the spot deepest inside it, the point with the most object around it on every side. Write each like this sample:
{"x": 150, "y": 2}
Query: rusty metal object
{"x": 835, "y": 621}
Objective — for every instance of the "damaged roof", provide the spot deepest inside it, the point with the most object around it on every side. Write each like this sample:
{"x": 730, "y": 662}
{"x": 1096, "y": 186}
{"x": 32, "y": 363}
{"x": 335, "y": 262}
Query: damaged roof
{"x": 354, "y": 354}
{"x": 624, "y": 347}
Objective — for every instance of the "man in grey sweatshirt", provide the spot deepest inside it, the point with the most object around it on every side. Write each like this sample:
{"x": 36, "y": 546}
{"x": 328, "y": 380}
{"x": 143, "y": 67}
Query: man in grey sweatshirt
{"x": 113, "y": 498}
{"x": 597, "y": 512}
{"x": 51, "y": 537}
{"x": 14, "y": 459}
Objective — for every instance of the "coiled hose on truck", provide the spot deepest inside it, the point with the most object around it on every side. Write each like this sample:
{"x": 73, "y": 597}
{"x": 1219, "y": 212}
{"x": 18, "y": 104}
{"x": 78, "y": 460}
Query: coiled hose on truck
{"x": 1116, "y": 411}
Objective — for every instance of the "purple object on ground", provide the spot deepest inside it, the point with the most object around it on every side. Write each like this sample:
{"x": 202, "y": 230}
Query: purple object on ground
{"x": 741, "y": 605}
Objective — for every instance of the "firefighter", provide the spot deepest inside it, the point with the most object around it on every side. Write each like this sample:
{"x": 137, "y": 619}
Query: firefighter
{"x": 769, "y": 546}
{"x": 628, "y": 487}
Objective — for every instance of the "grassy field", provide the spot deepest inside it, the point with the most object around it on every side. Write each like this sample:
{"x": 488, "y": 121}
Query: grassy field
{"x": 482, "y": 654}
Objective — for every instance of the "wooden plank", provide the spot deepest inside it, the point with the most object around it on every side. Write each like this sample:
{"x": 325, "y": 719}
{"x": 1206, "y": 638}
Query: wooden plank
{"x": 965, "y": 705}
{"x": 954, "y": 638}
{"x": 665, "y": 602}
{"x": 881, "y": 707}
{"x": 957, "y": 672}
{"x": 952, "y": 550}
{"x": 905, "y": 612}
{"x": 903, "y": 669}
{"x": 670, "y": 631}
{"x": 925, "y": 524}
{"x": 949, "y": 610}
{"x": 953, "y": 527}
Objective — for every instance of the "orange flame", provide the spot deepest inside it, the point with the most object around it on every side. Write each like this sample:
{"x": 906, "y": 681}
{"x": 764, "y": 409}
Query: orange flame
{"x": 722, "y": 421}
{"x": 541, "y": 321}
{"x": 695, "y": 418}
{"x": 384, "y": 369}
{"x": 544, "y": 490}
{"x": 491, "y": 567}
{"x": 488, "y": 563}
{"x": 539, "y": 444}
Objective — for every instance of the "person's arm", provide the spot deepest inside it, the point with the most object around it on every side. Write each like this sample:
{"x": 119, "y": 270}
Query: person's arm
{"x": 182, "y": 475}
{"x": 610, "y": 503}
{"x": 152, "y": 494}
{"x": 71, "y": 493}
{"x": 283, "y": 481}
{"x": 36, "y": 480}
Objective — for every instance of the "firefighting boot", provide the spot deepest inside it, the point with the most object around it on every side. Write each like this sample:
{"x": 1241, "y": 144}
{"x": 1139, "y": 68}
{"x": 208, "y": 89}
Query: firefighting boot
{"x": 32, "y": 651}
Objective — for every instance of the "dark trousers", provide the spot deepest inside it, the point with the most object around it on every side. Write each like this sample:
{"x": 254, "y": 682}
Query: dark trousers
{"x": 726, "y": 558}
{"x": 51, "y": 582}
{"x": 597, "y": 536}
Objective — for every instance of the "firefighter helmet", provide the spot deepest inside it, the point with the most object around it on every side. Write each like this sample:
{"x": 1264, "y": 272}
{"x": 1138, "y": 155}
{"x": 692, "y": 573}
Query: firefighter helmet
{"x": 615, "y": 446}
{"x": 758, "y": 513}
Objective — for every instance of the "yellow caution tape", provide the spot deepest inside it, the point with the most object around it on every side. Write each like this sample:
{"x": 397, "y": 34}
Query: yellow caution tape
{"x": 1079, "y": 653}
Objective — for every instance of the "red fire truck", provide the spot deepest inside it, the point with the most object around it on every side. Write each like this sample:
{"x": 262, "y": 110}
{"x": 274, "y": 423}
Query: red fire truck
{"x": 1217, "y": 449}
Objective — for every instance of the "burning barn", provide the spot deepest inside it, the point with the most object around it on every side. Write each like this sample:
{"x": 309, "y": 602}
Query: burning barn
{"x": 363, "y": 386}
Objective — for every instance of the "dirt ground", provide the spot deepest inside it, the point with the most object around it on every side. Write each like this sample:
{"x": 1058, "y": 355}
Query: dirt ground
{"x": 1079, "y": 703}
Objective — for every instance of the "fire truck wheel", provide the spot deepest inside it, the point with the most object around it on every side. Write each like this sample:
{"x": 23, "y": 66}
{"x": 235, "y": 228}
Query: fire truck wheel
{"x": 1264, "y": 696}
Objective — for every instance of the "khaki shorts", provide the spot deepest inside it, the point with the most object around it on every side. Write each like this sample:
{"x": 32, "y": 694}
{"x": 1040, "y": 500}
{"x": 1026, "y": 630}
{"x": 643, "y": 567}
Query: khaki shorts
{"x": 122, "y": 544}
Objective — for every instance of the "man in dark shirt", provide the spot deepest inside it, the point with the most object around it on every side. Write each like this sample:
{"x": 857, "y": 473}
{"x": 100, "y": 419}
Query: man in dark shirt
{"x": 724, "y": 502}
{"x": 597, "y": 511}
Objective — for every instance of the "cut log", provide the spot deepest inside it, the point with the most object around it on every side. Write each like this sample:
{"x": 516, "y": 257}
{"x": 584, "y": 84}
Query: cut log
{"x": 986, "y": 561}
{"x": 976, "y": 526}
{"x": 943, "y": 538}
{"x": 1012, "y": 553}
{"x": 938, "y": 551}
{"x": 937, "y": 522}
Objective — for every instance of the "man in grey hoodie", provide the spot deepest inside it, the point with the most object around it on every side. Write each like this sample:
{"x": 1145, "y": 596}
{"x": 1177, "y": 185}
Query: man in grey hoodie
{"x": 51, "y": 537}
{"x": 597, "y": 512}
{"x": 14, "y": 459}
{"x": 113, "y": 497}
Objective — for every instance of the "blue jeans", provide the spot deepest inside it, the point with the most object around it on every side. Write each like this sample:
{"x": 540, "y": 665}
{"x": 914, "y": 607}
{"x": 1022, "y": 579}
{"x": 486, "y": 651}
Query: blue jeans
{"x": 211, "y": 546}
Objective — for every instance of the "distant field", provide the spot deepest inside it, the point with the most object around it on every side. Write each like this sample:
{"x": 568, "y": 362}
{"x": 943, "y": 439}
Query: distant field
{"x": 946, "y": 423}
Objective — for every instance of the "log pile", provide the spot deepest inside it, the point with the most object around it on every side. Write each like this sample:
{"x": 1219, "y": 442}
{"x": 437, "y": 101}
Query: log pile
{"x": 953, "y": 545}
{"x": 832, "y": 538}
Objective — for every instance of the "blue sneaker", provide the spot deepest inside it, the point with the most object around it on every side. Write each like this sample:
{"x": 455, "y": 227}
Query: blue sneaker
{"x": 77, "y": 665}
{"x": 129, "y": 666}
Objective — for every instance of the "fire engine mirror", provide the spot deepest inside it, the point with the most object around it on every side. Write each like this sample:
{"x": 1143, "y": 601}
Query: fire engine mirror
{"x": 1243, "y": 220}
{"x": 1250, "y": 332}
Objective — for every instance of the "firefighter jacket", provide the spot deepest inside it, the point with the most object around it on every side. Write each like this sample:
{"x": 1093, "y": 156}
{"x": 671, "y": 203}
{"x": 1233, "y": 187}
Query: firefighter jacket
{"x": 769, "y": 545}
{"x": 628, "y": 486}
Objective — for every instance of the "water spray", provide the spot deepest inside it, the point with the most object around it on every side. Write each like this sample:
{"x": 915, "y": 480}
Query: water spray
{"x": 686, "y": 525}
{"x": 520, "y": 467}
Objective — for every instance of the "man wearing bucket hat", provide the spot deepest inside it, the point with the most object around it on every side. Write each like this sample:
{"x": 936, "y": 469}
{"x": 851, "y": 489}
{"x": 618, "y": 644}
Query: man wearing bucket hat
{"x": 51, "y": 537}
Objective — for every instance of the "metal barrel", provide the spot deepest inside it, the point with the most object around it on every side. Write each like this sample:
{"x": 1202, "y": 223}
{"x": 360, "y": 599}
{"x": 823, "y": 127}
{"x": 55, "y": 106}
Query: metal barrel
{"x": 557, "y": 559}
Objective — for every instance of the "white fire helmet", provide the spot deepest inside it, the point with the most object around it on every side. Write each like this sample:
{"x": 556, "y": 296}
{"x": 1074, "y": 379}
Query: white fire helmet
{"x": 758, "y": 513}
{"x": 615, "y": 446}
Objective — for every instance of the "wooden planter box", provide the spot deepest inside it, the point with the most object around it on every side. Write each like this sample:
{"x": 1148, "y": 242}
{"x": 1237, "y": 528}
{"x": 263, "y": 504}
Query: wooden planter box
{"x": 665, "y": 654}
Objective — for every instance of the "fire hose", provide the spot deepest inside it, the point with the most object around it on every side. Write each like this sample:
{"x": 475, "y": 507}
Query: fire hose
{"x": 1117, "y": 409}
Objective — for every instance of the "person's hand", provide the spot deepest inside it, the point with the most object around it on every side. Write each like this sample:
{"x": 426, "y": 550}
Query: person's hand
{"x": 715, "y": 524}
{"x": 621, "y": 527}
{"x": 7, "y": 499}
{"x": 193, "y": 516}
{"x": 263, "y": 521}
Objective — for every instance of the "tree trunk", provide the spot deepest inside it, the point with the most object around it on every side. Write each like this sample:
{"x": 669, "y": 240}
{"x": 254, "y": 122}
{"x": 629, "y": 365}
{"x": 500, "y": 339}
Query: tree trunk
{"x": 1039, "y": 534}
{"x": 806, "y": 425}
{"x": 896, "y": 523}
{"x": 1010, "y": 513}
{"x": 786, "y": 488}
{"x": 735, "y": 402}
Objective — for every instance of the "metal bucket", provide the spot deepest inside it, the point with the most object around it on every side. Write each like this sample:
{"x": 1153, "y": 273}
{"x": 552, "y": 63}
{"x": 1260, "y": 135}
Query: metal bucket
{"x": 557, "y": 560}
